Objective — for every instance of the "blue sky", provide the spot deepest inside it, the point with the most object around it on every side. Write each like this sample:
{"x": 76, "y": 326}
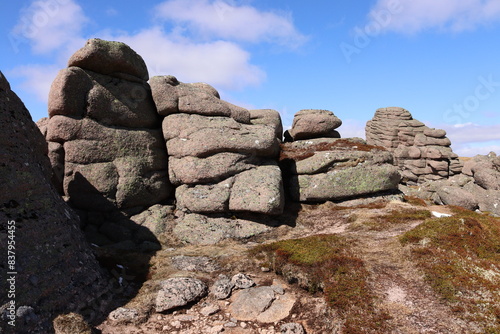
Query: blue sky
{"x": 438, "y": 59}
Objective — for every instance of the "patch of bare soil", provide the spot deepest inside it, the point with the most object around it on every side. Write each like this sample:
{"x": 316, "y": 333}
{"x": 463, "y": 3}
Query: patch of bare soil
{"x": 403, "y": 293}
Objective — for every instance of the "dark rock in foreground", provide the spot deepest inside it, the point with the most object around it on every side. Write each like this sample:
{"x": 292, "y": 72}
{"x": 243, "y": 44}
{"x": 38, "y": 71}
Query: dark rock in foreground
{"x": 56, "y": 269}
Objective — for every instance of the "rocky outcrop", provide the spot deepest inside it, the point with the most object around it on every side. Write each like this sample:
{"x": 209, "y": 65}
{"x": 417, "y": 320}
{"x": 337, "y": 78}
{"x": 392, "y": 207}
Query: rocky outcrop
{"x": 336, "y": 169}
{"x": 105, "y": 145}
{"x": 319, "y": 166}
{"x": 222, "y": 158}
{"x": 421, "y": 153}
{"x": 313, "y": 123}
{"x": 485, "y": 169}
{"x": 51, "y": 268}
{"x": 476, "y": 188}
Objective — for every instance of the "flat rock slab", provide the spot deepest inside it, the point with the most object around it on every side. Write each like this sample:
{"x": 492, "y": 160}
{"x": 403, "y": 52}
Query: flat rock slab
{"x": 250, "y": 303}
{"x": 211, "y": 169}
{"x": 201, "y": 136}
{"x": 261, "y": 304}
{"x": 179, "y": 291}
{"x": 322, "y": 161}
{"x": 345, "y": 183}
{"x": 204, "y": 230}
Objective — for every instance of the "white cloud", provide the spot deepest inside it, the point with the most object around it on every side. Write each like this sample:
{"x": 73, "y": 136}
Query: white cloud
{"x": 446, "y": 15}
{"x": 469, "y": 139}
{"x": 470, "y": 151}
{"x": 37, "y": 79}
{"x": 49, "y": 25}
{"x": 224, "y": 19}
{"x": 219, "y": 63}
{"x": 472, "y": 133}
{"x": 352, "y": 128}
{"x": 56, "y": 27}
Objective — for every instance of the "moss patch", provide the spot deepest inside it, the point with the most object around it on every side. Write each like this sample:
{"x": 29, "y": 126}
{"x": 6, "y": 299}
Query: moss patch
{"x": 330, "y": 264}
{"x": 460, "y": 256}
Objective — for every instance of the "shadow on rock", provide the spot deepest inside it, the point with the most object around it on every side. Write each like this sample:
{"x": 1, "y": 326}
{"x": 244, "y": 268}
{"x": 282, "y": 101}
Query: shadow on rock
{"x": 124, "y": 243}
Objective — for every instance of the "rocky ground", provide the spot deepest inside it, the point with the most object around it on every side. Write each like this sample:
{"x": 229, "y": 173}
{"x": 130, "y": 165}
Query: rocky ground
{"x": 274, "y": 304}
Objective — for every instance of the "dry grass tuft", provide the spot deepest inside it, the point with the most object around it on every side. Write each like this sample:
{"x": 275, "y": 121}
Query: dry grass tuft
{"x": 395, "y": 217}
{"x": 330, "y": 264}
{"x": 460, "y": 256}
{"x": 413, "y": 200}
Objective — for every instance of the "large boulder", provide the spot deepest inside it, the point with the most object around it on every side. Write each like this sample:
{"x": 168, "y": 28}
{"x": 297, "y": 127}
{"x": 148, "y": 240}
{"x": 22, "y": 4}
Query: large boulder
{"x": 461, "y": 190}
{"x": 105, "y": 142}
{"x": 450, "y": 195}
{"x": 314, "y": 123}
{"x": 110, "y": 58}
{"x": 485, "y": 170}
{"x": 52, "y": 269}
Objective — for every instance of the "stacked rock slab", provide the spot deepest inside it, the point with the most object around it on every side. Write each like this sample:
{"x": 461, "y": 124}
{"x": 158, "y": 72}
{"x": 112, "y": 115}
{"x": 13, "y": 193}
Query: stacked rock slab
{"x": 105, "y": 142}
{"x": 421, "y": 153}
{"x": 52, "y": 268}
{"x": 321, "y": 168}
{"x": 313, "y": 123}
{"x": 222, "y": 158}
{"x": 478, "y": 187}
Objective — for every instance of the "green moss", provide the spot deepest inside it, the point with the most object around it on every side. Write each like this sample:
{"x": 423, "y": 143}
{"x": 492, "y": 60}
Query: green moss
{"x": 460, "y": 256}
{"x": 307, "y": 251}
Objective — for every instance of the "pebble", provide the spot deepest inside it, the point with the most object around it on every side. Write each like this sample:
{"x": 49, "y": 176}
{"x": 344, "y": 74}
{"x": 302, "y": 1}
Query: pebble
{"x": 230, "y": 324}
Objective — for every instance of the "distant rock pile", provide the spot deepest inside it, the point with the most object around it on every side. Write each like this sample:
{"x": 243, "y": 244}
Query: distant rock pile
{"x": 322, "y": 167}
{"x": 478, "y": 187}
{"x": 105, "y": 145}
{"x": 421, "y": 153}
{"x": 222, "y": 158}
{"x": 51, "y": 268}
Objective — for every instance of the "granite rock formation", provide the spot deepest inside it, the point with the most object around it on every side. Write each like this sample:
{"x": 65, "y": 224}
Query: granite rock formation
{"x": 478, "y": 187}
{"x": 322, "y": 168}
{"x": 421, "y": 153}
{"x": 53, "y": 267}
{"x": 222, "y": 158}
{"x": 105, "y": 145}
{"x": 330, "y": 169}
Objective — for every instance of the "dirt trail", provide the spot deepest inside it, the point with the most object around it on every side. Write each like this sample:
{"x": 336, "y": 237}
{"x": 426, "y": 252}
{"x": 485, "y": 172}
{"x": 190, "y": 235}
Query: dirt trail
{"x": 403, "y": 293}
